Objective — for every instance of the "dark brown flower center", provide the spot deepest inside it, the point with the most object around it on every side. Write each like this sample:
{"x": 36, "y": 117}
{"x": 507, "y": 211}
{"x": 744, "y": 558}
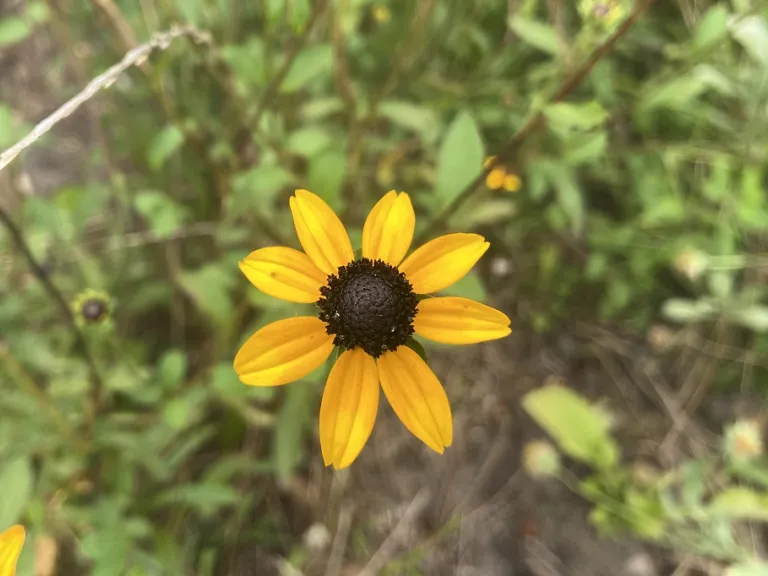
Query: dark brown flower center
{"x": 368, "y": 304}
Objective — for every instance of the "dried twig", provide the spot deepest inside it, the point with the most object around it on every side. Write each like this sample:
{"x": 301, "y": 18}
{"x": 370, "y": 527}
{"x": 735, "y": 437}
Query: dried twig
{"x": 159, "y": 41}
{"x": 388, "y": 549}
{"x": 336, "y": 559}
{"x": 536, "y": 121}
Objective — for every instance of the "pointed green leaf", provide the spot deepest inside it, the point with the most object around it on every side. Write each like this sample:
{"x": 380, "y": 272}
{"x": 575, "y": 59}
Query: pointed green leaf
{"x": 460, "y": 159}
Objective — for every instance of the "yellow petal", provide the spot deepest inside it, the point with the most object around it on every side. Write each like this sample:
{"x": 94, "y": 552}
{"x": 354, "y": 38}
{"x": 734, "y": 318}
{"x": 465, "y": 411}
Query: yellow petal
{"x": 512, "y": 183}
{"x": 283, "y": 351}
{"x": 453, "y": 320}
{"x": 417, "y": 397}
{"x": 442, "y": 261}
{"x": 495, "y": 179}
{"x": 388, "y": 230}
{"x": 11, "y": 542}
{"x": 348, "y": 409}
{"x": 321, "y": 233}
{"x": 284, "y": 273}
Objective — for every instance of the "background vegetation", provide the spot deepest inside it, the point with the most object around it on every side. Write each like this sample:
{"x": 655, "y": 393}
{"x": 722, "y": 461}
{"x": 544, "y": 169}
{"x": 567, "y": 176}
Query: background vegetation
{"x": 128, "y": 446}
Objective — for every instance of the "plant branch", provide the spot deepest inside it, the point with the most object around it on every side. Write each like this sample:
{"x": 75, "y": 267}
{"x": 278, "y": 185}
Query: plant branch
{"x": 274, "y": 85}
{"x": 537, "y": 120}
{"x": 58, "y": 298}
{"x": 138, "y": 55}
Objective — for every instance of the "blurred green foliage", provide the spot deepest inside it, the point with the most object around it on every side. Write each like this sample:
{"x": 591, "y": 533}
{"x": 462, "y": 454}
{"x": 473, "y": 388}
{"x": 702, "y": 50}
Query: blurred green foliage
{"x": 643, "y": 194}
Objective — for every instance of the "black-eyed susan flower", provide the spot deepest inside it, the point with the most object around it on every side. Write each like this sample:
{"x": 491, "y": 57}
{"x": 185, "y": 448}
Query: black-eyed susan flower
{"x": 11, "y": 542}
{"x": 499, "y": 178}
{"x": 91, "y": 308}
{"x": 368, "y": 307}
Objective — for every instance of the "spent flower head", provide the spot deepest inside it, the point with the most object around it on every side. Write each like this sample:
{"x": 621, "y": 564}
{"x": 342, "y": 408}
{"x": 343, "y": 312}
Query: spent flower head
{"x": 92, "y": 308}
{"x": 370, "y": 308}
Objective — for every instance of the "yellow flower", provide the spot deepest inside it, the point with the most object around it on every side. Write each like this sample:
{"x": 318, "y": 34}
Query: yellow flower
{"x": 11, "y": 542}
{"x": 369, "y": 307}
{"x": 499, "y": 178}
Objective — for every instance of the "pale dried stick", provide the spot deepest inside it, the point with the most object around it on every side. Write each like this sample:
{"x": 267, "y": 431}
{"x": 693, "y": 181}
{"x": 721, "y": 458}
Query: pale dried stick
{"x": 159, "y": 41}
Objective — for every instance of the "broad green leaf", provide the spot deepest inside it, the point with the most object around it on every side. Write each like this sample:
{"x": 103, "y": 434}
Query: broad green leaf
{"x": 184, "y": 411}
{"x": 257, "y": 187}
{"x": 740, "y": 503}
{"x": 171, "y": 369}
{"x": 485, "y": 212}
{"x": 209, "y": 288}
{"x": 247, "y": 64}
{"x": 410, "y": 116}
{"x": 712, "y": 28}
{"x": 471, "y": 286}
{"x": 164, "y": 145}
{"x": 566, "y": 116}
{"x": 585, "y": 148}
{"x": 579, "y": 428}
{"x": 752, "y": 33}
{"x": 460, "y": 159}
{"x": 308, "y": 141}
{"x": 164, "y": 216}
{"x": 326, "y": 176}
{"x": 311, "y": 63}
{"x": 538, "y": 35}
{"x": 16, "y": 489}
{"x": 13, "y": 30}
{"x": 291, "y": 425}
{"x": 753, "y": 568}
{"x": 319, "y": 108}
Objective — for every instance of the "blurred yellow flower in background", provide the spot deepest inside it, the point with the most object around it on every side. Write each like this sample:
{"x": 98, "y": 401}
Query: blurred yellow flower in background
{"x": 499, "y": 178}
{"x": 368, "y": 307}
{"x": 11, "y": 542}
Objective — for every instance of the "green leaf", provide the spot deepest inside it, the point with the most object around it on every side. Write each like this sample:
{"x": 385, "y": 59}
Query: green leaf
{"x": 752, "y": 568}
{"x": 163, "y": 146}
{"x": 416, "y": 346}
{"x": 569, "y": 195}
{"x": 37, "y": 12}
{"x": 256, "y": 188}
{"x": 171, "y": 369}
{"x": 13, "y": 31}
{"x": 678, "y": 93}
{"x": 16, "y": 488}
{"x": 566, "y": 116}
{"x": 740, "y": 503}
{"x": 485, "y": 212}
{"x": 712, "y": 28}
{"x": 326, "y": 176}
{"x": 580, "y": 429}
{"x": 460, "y": 159}
{"x": 687, "y": 311}
{"x": 192, "y": 11}
{"x": 209, "y": 288}
{"x": 585, "y": 148}
{"x": 289, "y": 431}
{"x": 311, "y": 63}
{"x": 419, "y": 119}
{"x": 308, "y": 141}
{"x": 538, "y": 35}
{"x": 471, "y": 286}
{"x": 206, "y": 499}
{"x": 753, "y": 317}
{"x": 752, "y": 33}
{"x": 164, "y": 216}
